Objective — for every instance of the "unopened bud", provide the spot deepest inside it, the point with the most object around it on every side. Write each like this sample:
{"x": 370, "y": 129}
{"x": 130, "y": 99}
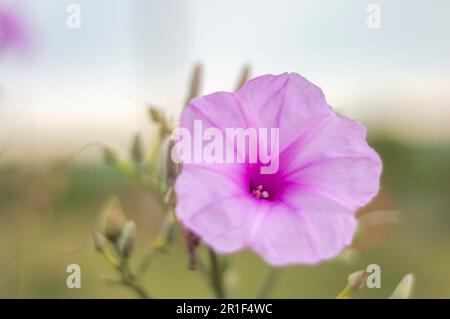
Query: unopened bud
{"x": 357, "y": 279}
{"x": 127, "y": 239}
{"x": 99, "y": 241}
{"x": 195, "y": 83}
{"x": 405, "y": 288}
{"x": 156, "y": 115}
{"x": 136, "y": 149}
{"x": 172, "y": 168}
{"x": 113, "y": 219}
{"x": 245, "y": 74}
{"x": 192, "y": 242}
{"x": 109, "y": 157}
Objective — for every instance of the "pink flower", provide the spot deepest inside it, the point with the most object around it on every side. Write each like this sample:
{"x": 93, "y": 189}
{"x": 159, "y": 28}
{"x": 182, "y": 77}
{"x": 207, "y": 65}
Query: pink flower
{"x": 12, "y": 33}
{"x": 305, "y": 212}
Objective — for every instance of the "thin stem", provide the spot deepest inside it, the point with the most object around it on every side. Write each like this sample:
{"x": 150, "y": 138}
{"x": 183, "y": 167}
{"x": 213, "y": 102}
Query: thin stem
{"x": 130, "y": 282}
{"x": 268, "y": 283}
{"x": 127, "y": 278}
{"x": 161, "y": 242}
{"x": 146, "y": 261}
{"x": 216, "y": 275}
{"x": 156, "y": 149}
{"x": 345, "y": 293}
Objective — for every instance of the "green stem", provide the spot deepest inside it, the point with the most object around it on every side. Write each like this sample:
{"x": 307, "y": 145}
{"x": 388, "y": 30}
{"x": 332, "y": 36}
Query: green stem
{"x": 127, "y": 278}
{"x": 268, "y": 283}
{"x": 216, "y": 275}
{"x": 161, "y": 242}
{"x": 345, "y": 293}
{"x": 138, "y": 289}
{"x": 156, "y": 148}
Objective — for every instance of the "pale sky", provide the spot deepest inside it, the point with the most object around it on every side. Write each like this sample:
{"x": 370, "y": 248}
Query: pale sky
{"x": 79, "y": 85}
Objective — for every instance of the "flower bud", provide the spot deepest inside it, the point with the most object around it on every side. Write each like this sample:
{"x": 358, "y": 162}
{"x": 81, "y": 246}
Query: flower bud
{"x": 99, "y": 241}
{"x": 172, "y": 168}
{"x": 192, "y": 242}
{"x": 109, "y": 157}
{"x": 195, "y": 83}
{"x": 357, "y": 279}
{"x": 127, "y": 239}
{"x": 113, "y": 219}
{"x": 156, "y": 115}
{"x": 136, "y": 149}
{"x": 245, "y": 74}
{"x": 404, "y": 288}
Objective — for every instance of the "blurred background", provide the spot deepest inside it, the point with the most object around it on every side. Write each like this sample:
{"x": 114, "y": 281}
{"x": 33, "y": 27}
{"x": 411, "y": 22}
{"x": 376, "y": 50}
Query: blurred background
{"x": 63, "y": 88}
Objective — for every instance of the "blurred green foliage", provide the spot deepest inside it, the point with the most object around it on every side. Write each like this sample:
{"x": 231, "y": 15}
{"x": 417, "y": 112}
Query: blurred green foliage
{"x": 47, "y": 215}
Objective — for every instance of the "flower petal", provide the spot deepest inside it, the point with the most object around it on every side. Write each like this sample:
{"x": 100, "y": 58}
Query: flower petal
{"x": 287, "y": 101}
{"x": 305, "y": 229}
{"x": 349, "y": 181}
{"x": 220, "y": 110}
{"x": 335, "y": 159}
{"x": 216, "y": 207}
{"x": 327, "y": 170}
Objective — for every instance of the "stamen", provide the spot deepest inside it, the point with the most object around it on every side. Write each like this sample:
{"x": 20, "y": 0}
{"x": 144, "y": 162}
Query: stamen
{"x": 260, "y": 193}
